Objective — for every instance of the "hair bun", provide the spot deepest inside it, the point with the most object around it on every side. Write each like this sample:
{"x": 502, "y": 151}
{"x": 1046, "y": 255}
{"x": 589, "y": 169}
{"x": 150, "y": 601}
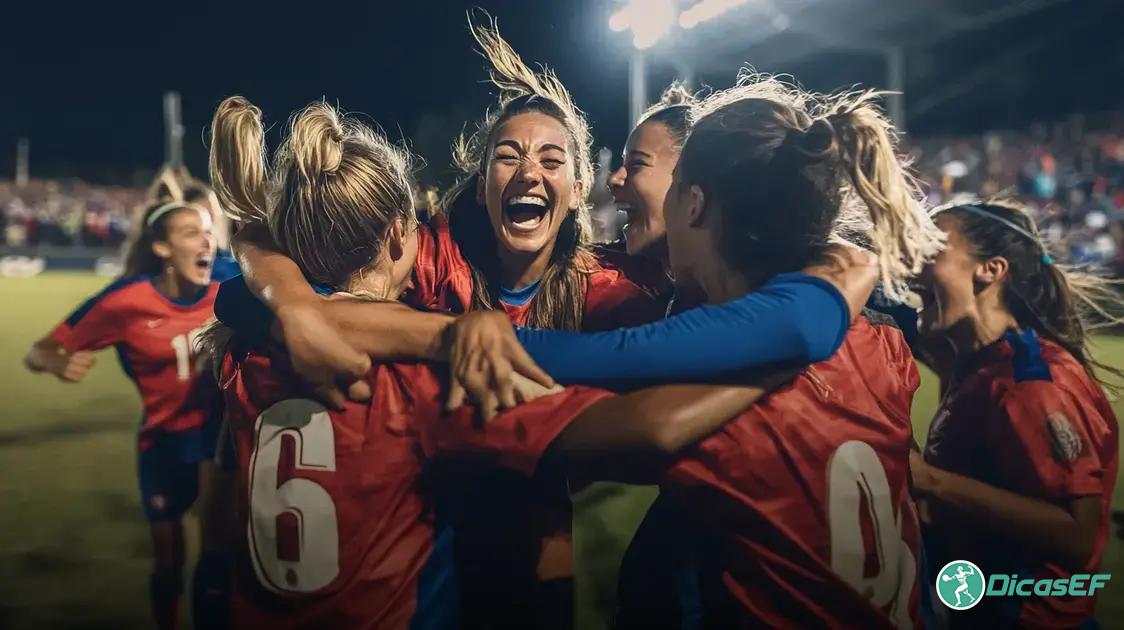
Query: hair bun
{"x": 317, "y": 140}
{"x": 676, "y": 95}
{"x": 817, "y": 142}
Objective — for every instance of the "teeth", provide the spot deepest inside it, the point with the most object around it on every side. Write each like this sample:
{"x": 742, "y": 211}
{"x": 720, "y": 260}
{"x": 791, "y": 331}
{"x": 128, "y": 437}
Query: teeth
{"x": 528, "y": 200}
{"x": 528, "y": 223}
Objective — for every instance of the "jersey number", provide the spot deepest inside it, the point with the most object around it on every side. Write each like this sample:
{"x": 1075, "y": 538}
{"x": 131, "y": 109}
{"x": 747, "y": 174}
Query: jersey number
{"x": 857, "y": 481}
{"x": 184, "y": 345}
{"x": 311, "y": 562}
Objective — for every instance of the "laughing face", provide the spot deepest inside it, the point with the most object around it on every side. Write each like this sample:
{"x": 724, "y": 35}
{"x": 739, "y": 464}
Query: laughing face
{"x": 529, "y": 183}
{"x": 640, "y": 185}
{"x": 947, "y": 286}
{"x": 189, "y": 247}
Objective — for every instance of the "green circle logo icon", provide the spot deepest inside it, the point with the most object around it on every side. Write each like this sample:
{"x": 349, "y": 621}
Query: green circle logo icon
{"x": 961, "y": 585}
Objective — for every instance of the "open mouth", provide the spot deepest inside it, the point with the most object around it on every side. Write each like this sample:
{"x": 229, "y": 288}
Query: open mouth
{"x": 525, "y": 213}
{"x": 203, "y": 261}
{"x": 628, "y": 209}
{"x": 920, "y": 296}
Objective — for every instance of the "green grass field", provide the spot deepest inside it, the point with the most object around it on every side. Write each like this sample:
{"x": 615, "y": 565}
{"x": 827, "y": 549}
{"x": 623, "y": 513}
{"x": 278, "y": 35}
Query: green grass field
{"x": 74, "y": 549}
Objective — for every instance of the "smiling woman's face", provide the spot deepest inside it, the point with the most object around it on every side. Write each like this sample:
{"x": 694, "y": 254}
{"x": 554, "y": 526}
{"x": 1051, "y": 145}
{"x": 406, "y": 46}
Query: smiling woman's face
{"x": 529, "y": 183}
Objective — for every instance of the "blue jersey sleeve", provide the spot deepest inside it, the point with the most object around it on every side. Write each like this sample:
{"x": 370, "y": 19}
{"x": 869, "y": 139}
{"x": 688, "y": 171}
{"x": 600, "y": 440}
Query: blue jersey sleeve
{"x": 238, "y": 308}
{"x": 793, "y": 319}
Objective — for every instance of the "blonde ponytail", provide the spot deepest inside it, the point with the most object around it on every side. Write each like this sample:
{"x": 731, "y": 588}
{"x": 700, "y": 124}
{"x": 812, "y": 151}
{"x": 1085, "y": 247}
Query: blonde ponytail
{"x": 237, "y": 160}
{"x": 334, "y": 188}
{"x": 316, "y": 141}
{"x": 902, "y": 233}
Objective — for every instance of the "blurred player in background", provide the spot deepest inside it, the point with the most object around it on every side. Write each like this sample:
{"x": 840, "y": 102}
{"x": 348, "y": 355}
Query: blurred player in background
{"x": 152, "y": 316}
{"x": 200, "y": 194}
{"x": 1024, "y": 444}
{"x": 362, "y": 552}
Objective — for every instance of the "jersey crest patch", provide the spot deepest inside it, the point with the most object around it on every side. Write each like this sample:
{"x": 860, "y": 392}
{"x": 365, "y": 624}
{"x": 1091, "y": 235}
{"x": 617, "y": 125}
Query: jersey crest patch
{"x": 1064, "y": 439}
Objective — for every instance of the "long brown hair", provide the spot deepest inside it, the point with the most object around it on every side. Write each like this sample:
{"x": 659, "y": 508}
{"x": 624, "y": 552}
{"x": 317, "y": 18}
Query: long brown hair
{"x": 791, "y": 169}
{"x": 560, "y": 301}
{"x": 1059, "y": 302}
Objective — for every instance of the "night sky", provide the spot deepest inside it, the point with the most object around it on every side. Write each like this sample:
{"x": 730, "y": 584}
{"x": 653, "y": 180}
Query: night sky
{"x": 85, "y": 83}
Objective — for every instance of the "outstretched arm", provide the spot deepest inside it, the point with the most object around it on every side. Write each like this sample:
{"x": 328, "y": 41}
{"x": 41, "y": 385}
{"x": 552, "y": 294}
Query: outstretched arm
{"x": 795, "y": 319}
{"x": 46, "y": 355}
{"x": 665, "y": 418}
{"x": 629, "y": 438}
{"x": 331, "y": 342}
{"x": 381, "y": 330}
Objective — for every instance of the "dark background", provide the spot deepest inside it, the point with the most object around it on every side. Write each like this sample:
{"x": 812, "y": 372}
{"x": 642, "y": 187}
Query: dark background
{"x": 84, "y": 82}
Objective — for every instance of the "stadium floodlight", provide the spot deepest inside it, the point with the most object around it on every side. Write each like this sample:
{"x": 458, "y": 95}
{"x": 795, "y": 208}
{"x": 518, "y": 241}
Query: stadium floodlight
{"x": 649, "y": 20}
{"x": 706, "y": 10}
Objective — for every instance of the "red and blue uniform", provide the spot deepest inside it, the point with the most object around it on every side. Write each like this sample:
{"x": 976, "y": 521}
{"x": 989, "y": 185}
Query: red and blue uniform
{"x": 517, "y": 537}
{"x": 154, "y": 337}
{"x": 339, "y": 509}
{"x": 798, "y": 511}
{"x": 515, "y": 533}
{"x": 613, "y": 299}
{"x": 1023, "y": 414}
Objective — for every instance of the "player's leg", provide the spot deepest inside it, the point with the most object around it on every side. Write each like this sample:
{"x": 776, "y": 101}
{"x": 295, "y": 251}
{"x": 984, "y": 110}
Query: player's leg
{"x": 165, "y": 584}
{"x": 167, "y": 491}
{"x": 210, "y": 589}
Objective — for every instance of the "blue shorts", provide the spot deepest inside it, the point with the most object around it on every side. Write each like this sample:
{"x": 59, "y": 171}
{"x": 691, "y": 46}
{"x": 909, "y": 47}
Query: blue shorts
{"x": 168, "y": 472}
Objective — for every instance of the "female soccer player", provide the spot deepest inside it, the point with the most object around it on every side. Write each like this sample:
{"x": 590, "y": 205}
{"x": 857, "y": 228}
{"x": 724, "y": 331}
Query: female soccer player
{"x": 640, "y": 185}
{"x": 517, "y": 221}
{"x": 200, "y": 194}
{"x": 800, "y": 507}
{"x": 338, "y": 531}
{"x": 1019, "y": 467}
{"x": 152, "y": 316}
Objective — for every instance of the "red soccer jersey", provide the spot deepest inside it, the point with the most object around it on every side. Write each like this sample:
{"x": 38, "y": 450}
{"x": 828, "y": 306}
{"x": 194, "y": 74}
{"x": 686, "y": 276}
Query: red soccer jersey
{"x": 613, "y": 299}
{"x": 804, "y": 499}
{"x": 1024, "y": 415}
{"x": 340, "y": 527}
{"x": 155, "y": 338}
{"x": 506, "y": 508}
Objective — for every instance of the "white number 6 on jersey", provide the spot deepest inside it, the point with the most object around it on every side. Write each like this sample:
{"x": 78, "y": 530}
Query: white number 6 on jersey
{"x": 317, "y": 561}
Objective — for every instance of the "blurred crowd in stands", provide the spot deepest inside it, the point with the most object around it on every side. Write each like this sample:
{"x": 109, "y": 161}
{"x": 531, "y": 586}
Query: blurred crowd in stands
{"x": 66, "y": 213}
{"x": 1070, "y": 173}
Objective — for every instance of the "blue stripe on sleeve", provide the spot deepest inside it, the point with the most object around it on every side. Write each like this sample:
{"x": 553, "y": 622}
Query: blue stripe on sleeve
{"x": 794, "y": 318}
{"x": 89, "y": 304}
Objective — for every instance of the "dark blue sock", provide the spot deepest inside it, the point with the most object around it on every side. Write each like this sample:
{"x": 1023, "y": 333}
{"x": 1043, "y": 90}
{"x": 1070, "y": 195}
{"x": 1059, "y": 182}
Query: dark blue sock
{"x": 210, "y": 591}
{"x": 164, "y": 591}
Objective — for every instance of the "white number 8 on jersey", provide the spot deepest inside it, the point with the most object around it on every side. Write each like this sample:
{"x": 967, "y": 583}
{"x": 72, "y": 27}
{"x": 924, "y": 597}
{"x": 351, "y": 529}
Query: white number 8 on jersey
{"x": 317, "y": 562}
